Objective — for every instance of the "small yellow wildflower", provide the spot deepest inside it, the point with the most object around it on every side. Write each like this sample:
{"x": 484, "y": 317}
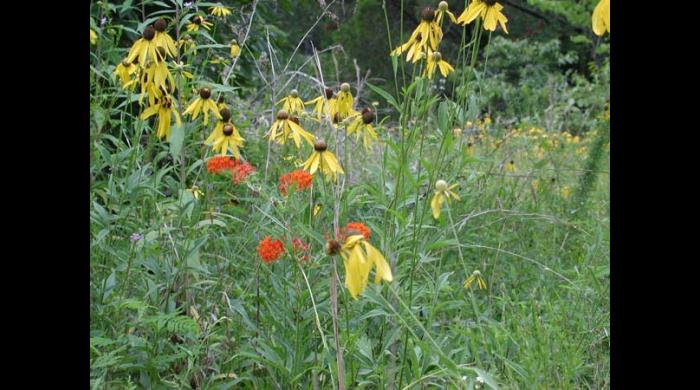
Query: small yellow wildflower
{"x": 93, "y": 37}
{"x": 195, "y": 191}
{"x": 163, "y": 39}
{"x": 196, "y": 22}
{"x": 475, "y": 277}
{"x": 287, "y": 126}
{"x": 362, "y": 126}
{"x": 510, "y": 166}
{"x": 536, "y": 185}
{"x": 235, "y": 49}
{"x": 324, "y": 160}
{"x": 488, "y": 10}
{"x": 442, "y": 193}
{"x": 601, "y": 18}
{"x": 435, "y": 61}
{"x": 219, "y": 128}
{"x": 229, "y": 139}
{"x": 203, "y": 104}
{"x": 324, "y": 104}
{"x": 292, "y": 103}
{"x": 219, "y": 10}
{"x": 426, "y": 36}
{"x": 165, "y": 107}
{"x": 145, "y": 48}
{"x": 442, "y": 10}
{"x": 566, "y": 192}
{"x": 359, "y": 256}
{"x": 344, "y": 102}
{"x": 125, "y": 70}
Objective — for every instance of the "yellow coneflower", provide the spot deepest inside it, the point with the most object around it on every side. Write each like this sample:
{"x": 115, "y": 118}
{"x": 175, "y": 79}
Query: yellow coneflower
{"x": 145, "y": 48}
{"x": 488, "y": 10}
{"x": 125, "y": 70}
{"x": 165, "y": 107}
{"x": 287, "y": 126}
{"x": 435, "y": 61}
{"x": 566, "y": 192}
{"x": 203, "y": 104}
{"x": 510, "y": 166}
{"x": 324, "y": 160}
{"x": 344, "y": 102}
{"x": 359, "y": 257}
{"x": 442, "y": 193}
{"x": 196, "y": 22}
{"x": 162, "y": 39}
{"x": 443, "y": 8}
{"x": 93, "y": 37}
{"x": 323, "y": 105}
{"x": 292, "y": 103}
{"x": 195, "y": 191}
{"x": 601, "y": 18}
{"x": 219, "y": 10}
{"x": 475, "y": 277}
{"x": 362, "y": 126}
{"x": 426, "y": 36}
{"x": 235, "y": 49}
{"x": 188, "y": 43}
{"x": 229, "y": 139}
{"x": 219, "y": 128}
{"x": 157, "y": 81}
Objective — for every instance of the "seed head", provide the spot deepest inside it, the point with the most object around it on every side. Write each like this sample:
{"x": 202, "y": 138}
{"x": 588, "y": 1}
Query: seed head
{"x": 160, "y": 25}
{"x": 148, "y": 33}
{"x": 225, "y": 114}
{"x": 294, "y": 93}
{"x": 428, "y": 14}
{"x": 205, "y": 93}
{"x": 228, "y": 129}
{"x": 443, "y": 6}
{"x": 332, "y": 247}
{"x": 441, "y": 185}
{"x": 282, "y": 115}
{"x": 437, "y": 56}
{"x": 368, "y": 116}
{"x": 320, "y": 146}
{"x": 345, "y": 87}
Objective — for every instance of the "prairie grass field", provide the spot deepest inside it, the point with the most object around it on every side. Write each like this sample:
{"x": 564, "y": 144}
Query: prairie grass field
{"x": 350, "y": 194}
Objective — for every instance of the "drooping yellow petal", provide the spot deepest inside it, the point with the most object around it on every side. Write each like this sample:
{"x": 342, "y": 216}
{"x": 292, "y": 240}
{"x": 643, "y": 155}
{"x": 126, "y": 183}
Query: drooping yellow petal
{"x": 436, "y": 204}
{"x": 382, "y": 269}
{"x": 474, "y": 10}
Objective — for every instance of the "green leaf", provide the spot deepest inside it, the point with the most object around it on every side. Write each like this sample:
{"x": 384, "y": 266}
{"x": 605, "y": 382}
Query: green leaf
{"x": 443, "y": 117}
{"x": 386, "y": 95}
{"x": 177, "y": 136}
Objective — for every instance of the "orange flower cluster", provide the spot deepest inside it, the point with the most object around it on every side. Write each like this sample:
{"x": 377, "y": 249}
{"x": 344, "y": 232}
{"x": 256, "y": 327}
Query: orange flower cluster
{"x": 270, "y": 250}
{"x": 356, "y": 228}
{"x": 240, "y": 171}
{"x": 301, "y": 178}
{"x": 219, "y": 164}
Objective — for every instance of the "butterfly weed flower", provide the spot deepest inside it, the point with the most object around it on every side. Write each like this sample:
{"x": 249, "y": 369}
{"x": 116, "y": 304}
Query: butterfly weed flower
{"x": 198, "y": 21}
{"x": 359, "y": 257}
{"x": 301, "y": 248}
{"x": 270, "y": 250}
{"x": 235, "y": 49}
{"x": 435, "y": 61}
{"x": 443, "y": 9}
{"x": 287, "y": 126}
{"x": 165, "y": 107}
{"x": 344, "y": 102}
{"x": 353, "y": 228}
{"x": 324, "y": 160}
{"x": 241, "y": 171}
{"x": 601, "y": 18}
{"x": 218, "y": 164}
{"x": 488, "y": 10}
{"x": 442, "y": 193}
{"x": 145, "y": 48}
{"x": 203, "y": 104}
{"x": 219, "y": 10}
{"x": 323, "y": 105}
{"x": 229, "y": 139}
{"x": 292, "y": 103}
{"x": 298, "y": 179}
{"x": 362, "y": 126}
{"x": 475, "y": 277}
{"x": 126, "y": 72}
{"x": 162, "y": 39}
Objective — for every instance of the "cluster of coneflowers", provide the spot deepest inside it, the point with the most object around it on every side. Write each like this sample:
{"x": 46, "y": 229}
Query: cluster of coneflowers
{"x": 146, "y": 66}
